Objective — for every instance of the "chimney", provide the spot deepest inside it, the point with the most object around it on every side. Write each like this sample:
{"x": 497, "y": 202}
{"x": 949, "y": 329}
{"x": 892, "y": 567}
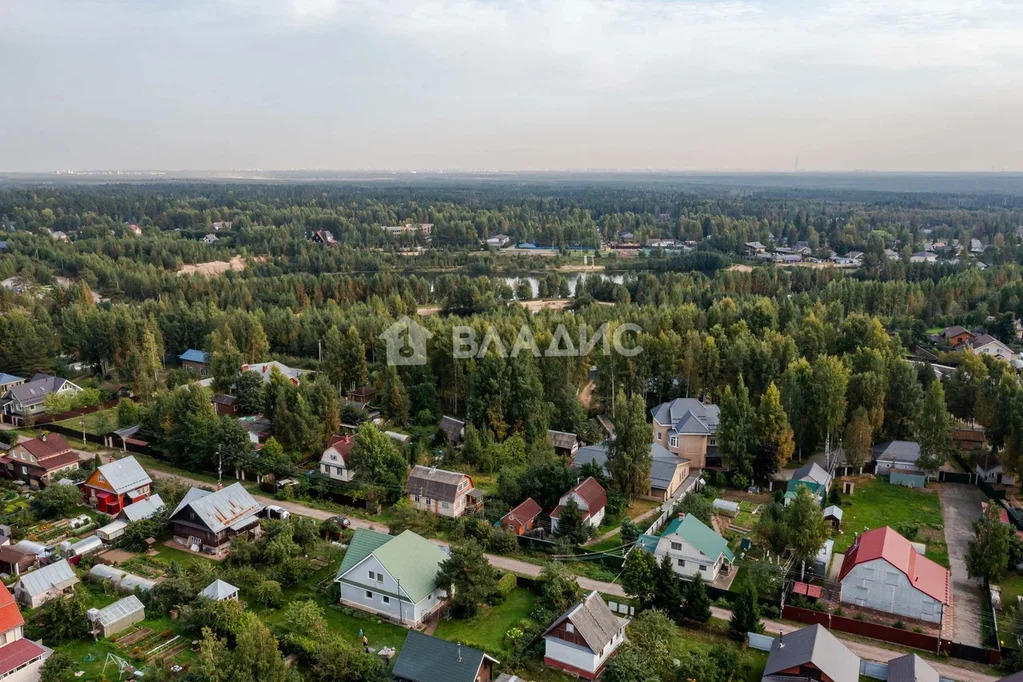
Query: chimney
{"x": 43, "y": 437}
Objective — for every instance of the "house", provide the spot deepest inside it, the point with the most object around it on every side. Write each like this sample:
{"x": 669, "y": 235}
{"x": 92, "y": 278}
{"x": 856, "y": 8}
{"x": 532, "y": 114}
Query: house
{"x": 754, "y": 248}
{"x": 257, "y": 426}
{"x": 43, "y": 584}
{"x": 135, "y": 230}
{"x": 408, "y": 228}
{"x": 900, "y": 455}
{"x": 117, "y": 484}
{"x": 443, "y": 493}
{"x": 206, "y": 521}
{"x": 429, "y": 659}
{"x": 334, "y": 460}
{"x": 112, "y": 531}
{"x": 8, "y": 380}
{"x": 41, "y": 460}
{"x": 955, "y": 336}
{"x": 195, "y": 361}
{"x": 833, "y": 515}
{"x": 591, "y": 498}
{"x": 582, "y": 639}
{"x": 968, "y": 438}
{"x": 499, "y": 241}
{"x": 885, "y": 572}
{"x": 219, "y": 590}
{"x": 363, "y": 396}
{"x": 210, "y": 239}
{"x": 522, "y": 519}
{"x": 453, "y": 429}
{"x": 392, "y": 576}
{"x": 985, "y": 344}
{"x": 923, "y": 257}
{"x": 117, "y": 617}
{"x": 225, "y": 405}
{"x": 564, "y": 443}
{"x": 911, "y": 668}
{"x": 21, "y": 659}
{"x": 812, "y": 476}
{"x": 325, "y": 237}
{"x": 811, "y": 653}
{"x": 693, "y": 548}
{"x": 688, "y": 428}
{"x": 14, "y": 560}
{"x": 668, "y": 471}
{"x": 891, "y": 254}
{"x": 265, "y": 370}
{"x": 143, "y": 509}
{"x": 990, "y": 470}
{"x": 27, "y": 398}
{"x": 855, "y": 256}
{"x": 219, "y": 225}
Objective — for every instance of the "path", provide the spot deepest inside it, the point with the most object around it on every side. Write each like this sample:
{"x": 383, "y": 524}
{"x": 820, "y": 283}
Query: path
{"x": 650, "y": 513}
{"x": 960, "y": 507}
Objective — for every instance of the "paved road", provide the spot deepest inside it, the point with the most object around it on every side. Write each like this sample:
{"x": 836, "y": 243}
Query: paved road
{"x": 960, "y": 507}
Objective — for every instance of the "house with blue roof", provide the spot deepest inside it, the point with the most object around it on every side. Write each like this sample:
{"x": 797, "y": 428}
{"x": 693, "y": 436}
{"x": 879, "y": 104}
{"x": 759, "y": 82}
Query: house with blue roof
{"x": 195, "y": 361}
{"x": 693, "y": 547}
{"x": 8, "y": 380}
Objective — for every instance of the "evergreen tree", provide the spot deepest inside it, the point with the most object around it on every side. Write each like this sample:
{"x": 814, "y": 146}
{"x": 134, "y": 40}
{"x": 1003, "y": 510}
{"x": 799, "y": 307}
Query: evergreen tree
{"x": 773, "y": 425}
{"x": 737, "y": 430}
{"x": 225, "y": 358}
{"x": 473, "y": 579}
{"x": 697, "y": 602}
{"x": 668, "y": 590}
{"x": 935, "y": 430}
{"x": 628, "y": 456}
{"x": 638, "y": 577}
{"x": 807, "y": 528}
{"x": 745, "y": 612}
{"x": 987, "y": 555}
{"x": 571, "y": 525}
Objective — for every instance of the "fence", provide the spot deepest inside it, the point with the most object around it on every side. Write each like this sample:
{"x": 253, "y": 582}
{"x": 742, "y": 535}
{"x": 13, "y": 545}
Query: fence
{"x": 50, "y": 418}
{"x": 908, "y": 480}
{"x": 669, "y": 505}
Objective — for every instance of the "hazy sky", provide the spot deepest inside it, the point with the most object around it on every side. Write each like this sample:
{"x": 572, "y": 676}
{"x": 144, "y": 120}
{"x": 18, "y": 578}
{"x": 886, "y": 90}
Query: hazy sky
{"x": 511, "y": 84}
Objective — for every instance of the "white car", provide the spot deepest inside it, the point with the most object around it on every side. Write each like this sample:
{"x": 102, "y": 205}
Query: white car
{"x": 275, "y": 512}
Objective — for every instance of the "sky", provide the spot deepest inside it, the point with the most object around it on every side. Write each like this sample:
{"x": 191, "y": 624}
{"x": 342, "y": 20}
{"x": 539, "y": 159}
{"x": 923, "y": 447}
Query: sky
{"x": 699, "y": 85}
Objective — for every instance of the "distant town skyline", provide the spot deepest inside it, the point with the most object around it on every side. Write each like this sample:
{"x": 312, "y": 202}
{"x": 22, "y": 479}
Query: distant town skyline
{"x": 694, "y": 85}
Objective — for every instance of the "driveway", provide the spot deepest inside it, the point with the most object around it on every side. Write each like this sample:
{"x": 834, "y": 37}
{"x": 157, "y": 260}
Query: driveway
{"x": 960, "y": 506}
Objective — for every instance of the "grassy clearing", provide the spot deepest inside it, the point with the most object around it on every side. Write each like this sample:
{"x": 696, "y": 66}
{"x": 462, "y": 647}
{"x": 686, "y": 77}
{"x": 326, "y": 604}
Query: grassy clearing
{"x": 97, "y": 423}
{"x": 487, "y": 630}
{"x": 876, "y": 503}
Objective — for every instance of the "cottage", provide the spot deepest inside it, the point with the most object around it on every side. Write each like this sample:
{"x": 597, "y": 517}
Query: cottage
{"x": 985, "y": 344}
{"x": 143, "y": 509}
{"x": 812, "y": 653}
{"x": 20, "y": 659}
{"x": 990, "y": 470}
{"x": 334, "y": 460}
{"x": 428, "y": 659}
{"x": 811, "y": 476}
{"x": 363, "y": 395}
{"x": 27, "y": 399}
{"x": 46, "y": 583}
{"x": 206, "y": 521}
{"x": 325, "y": 237}
{"x": 117, "y": 617}
{"x": 195, "y": 361}
{"x": 591, "y": 498}
{"x": 265, "y": 370}
{"x": 668, "y": 471}
{"x": 898, "y": 455}
{"x": 924, "y": 257}
{"x": 257, "y": 426}
{"x": 393, "y": 577}
{"x": 443, "y": 493}
{"x": 522, "y": 519}
{"x": 564, "y": 443}
{"x": 116, "y": 485}
{"x": 753, "y": 249}
{"x": 693, "y": 548}
{"x": 8, "y": 380}
{"x": 498, "y": 241}
{"x": 688, "y": 428}
{"x": 954, "y": 336}
{"x": 453, "y": 429}
{"x": 112, "y": 531}
{"x": 225, "y": 405}
{"x": 220, "y": 590}
{"x": 885, "y": 572}
{"x": 40, "y": 461}
{"x": 582, "y": 639}
{"x": 210, "y": 239}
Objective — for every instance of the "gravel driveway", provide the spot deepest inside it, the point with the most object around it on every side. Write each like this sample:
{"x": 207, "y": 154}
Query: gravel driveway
{"x": 960, "y": 505}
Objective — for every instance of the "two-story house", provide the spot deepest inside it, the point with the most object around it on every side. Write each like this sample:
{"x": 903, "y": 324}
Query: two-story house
{"x": 442, "y": 493}
{"x": 591, "y": 499}
{"x": 28, "y": 399}
{"x": 693, "y": 548}
{"x": 116, "y": 485}
{"x": 40, "y": 461}
{"x": 195, "y": 361}
{"x": 424, "y": 658}
{"x": 582, "y": 639}
{"x": 20, "y": 659}
{"x": 207, "y": 521}
{"x": 334, "y": 460}
{"x": 687, "y": 428}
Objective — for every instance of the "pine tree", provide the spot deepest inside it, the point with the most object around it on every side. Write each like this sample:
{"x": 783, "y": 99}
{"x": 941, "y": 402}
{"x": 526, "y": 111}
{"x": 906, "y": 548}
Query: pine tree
{"x": 934, "y": 431}
{"x": 745, "y": 612}
{"x": 628, "y": 457}
{"x": 697, "y": 601}
{"x": 570, "y": 523}
{"x": 773, "y": 425}
{"x": 668, "y": 590}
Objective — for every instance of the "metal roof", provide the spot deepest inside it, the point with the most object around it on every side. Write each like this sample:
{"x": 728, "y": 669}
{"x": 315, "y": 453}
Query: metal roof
{"x": 194, "y": 355}
{"x": 428, "y": 659}
{"x": 687, "y": 416}
{"x": 230, "y": 507}
{"x": 816, "y": 646}
{"x": 121, "y": 608}
{"x": 411, "y": 560}
{"x": 125, "y": 474}
{"x": 35, "y": 391}
{"x": 593, "y": 621}
{"x": 46, "y": 578}
{"x": 434, "y": 483}
{"x": 143, "y": 509}
{"x": 925, "y": 575}
{"x": 911, "y": 668}
{"x": 897, "y": 451}
{"x": 218, "y": 590}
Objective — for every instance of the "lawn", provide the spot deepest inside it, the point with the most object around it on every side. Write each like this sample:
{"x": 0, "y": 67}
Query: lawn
{"x": 487, "y": 630}
{"x": 97, "y": 423}
{"x": 1012, "y": 588}
{"x": 876, "y": 503}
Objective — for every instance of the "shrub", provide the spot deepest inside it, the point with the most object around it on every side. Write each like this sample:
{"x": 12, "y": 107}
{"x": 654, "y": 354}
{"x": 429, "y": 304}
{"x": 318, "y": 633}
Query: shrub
{"x": 506, "y": 585}
{"x": 899, "y": 625}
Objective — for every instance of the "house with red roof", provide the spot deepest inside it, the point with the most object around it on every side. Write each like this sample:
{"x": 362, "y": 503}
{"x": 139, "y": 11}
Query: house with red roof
{"x": 40, "y": 461}
{"x": 522, "y": 519}
{"x": 20, "y": 658}
{"x": 334, "y": 460}
{"x": 886, "y": 572}
{"x": 591, "y": 498}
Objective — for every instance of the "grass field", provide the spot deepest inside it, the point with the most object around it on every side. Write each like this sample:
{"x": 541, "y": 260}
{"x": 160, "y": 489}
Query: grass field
{"x": 876, "y": 503}
{"x": 487, "y": 630}
{"x": 97, "y": 423}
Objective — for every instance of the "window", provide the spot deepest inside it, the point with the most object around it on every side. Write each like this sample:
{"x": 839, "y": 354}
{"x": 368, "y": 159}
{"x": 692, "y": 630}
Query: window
{"x": 569, "y": 628}
{"x": 659, "y": 435}
{"x": 682, "y": 563}
{"x": 386, "y": 599}
{"x": 703, "y": 568}
{"x": 462, "y": 484}
{"x": 372, "y": 575}
{"x": 713, "y": 442}
{"x": 369, "y": 595}
{"x": 676, "y": 546}
{"x": 416, "y": 497}
{"x": 444, "y": 505}
{"x": 673, "y": 442}
{"x": 427, "y": 500}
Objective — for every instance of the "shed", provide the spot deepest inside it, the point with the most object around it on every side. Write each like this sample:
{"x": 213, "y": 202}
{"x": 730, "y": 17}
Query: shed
{"x": 833, "y": 515}
{"x": 220, "y": 590}
{"x": 120, "y": 615}
{"x": 112, "y": 531}
{"x": 43, "y": 584}
{"x": 727, "y": 507}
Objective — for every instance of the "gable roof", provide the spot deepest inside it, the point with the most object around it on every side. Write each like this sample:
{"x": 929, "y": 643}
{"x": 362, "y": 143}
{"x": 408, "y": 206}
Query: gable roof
{"x": 363, "y": 543}
{"x": 911, "y": 668}
{"x": 6, "y": 378}
{"x": 265, "y": 370}
{"x": 897, "y": 451}
{"x": 986, "y": 339}
{"x": 525, "y": 512}
{"x": 428, "y": 659}
{"x": 816, "y": 646}
{"x": 988, "y": 462}
{"x": 663, "y": 462}
{"x": 125, "y": 474}
{"x": 562, "y": 439}
{"x": 687, "y": 416}
{"x": 949, "y": 332}
{"x": 451, "y": 427}
{"x": 410, "y": 559}
{"x": 195, "y": 355}
{"x": 339, "y": 447}
{"x": 46, "y": 578}
{"x": 50, "y": 450}
{"x": 812, "y": 471}
{"x": 591, "y": 492}
{"x": 143, "y": 509}
{"x": 884, "y": 543}
{"x": 702, "y": 537}
{"x": 10, "y": 614}
{"x": 834, "y": 511}
{"x": 18, "y": 653}
{"x": 593, "y": 621}
{"x": 434, "y": 483}
{"x": 35, "y": 391}
{"x": 230, "y": 507}
{"x": 218, "y": 590}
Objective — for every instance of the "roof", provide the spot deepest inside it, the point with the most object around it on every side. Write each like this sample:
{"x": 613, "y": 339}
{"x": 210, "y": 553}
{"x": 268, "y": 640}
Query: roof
{"x": 948, "y": 332}
{"x": 50, "y": 450}
{"x": 702, "y": 537}
{"x": 224, "y": 399}
{"x": 6, "y": 378}
{"x": 817, "y": 646}
{"x": 663, "y": 462}
{"x": 985, "y": 339}
{"x": 143, "y": 509}
{"x": 562, "y": 439}
{"x": 428, "y": 659}
{"x": 18, "y": 653}
{"x": 434, "y": 483}
{"x": 121, "y": 608}
{"x": 884, "y": 543}
{"x": 35, "y": 391}
{"x": 988, "y": 462}
{"x": 339, "y": 447}
{"x": 194, "y": 355}
{"x": 897, "y": 451}
{"x": 411, "y": 560}
{"x": 46, "y": 578}
{"x": 591, "y": 492}
{"x": 593, "y": 621}
{"x": 687, "y": 416}
{"x": 812, "y": 471}
{"x": 125, "y": 474}
{"x": 230, "y": 507}
{"x": 452, "y": 427}
{"x": 10, "y": 614}
{"x": 265, "y": 369}
{"x": 833, "y": 510}
{"x": 218, "y": 590}
{"x": 12, "y": 554}
{"x": 525, "y": 512}
{"x": 911, "y": 668}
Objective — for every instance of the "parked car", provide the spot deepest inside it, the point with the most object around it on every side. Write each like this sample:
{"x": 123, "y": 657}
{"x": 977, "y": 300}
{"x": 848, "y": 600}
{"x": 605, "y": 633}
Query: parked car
{"x": 341, "y": 522}
{"x": 275, "y": 512}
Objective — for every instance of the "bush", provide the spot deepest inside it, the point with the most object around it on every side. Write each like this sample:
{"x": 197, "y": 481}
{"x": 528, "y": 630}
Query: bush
{"x": 899, "y": 625}
{"x": 506, "y": 585}
{"x": 502, "y": 541}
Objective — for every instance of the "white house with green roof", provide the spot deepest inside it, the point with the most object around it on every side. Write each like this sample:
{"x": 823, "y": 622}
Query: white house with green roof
{"x": 392, "y": 576}
{"x": 694, "y": 548}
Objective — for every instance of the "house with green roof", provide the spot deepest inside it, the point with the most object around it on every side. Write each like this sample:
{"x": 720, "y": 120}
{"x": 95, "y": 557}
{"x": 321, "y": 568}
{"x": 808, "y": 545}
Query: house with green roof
{"x": 394, "y": 577}
{"x": 693, "y": 547}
